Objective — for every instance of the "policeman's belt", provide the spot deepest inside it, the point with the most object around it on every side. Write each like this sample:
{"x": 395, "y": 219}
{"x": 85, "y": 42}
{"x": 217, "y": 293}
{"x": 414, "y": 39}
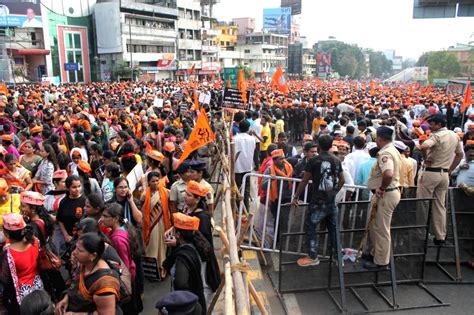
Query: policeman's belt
{"x": 436, "y": 169}
{"x": 388, "y": 189}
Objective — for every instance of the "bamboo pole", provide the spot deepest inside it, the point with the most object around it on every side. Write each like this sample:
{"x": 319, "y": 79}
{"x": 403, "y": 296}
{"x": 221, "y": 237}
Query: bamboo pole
{"x": 257, "y": 299}
{"x": 241, "y": 299}
{"x": 216, "y": 296}
{"x": 228, "y": 297}
{"x": 225, "y": 241}
{"x": 240, "y": 295}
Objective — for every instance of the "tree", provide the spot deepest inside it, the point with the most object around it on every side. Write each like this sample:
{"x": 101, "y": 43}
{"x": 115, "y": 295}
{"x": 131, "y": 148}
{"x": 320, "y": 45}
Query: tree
{"x": 441, "y": 64}
{"x": 121, "y": 69}
{"x": 408, "y": 63}
{"x": 379, "y": 64}
{"x": 247, "y": 70}
{"x": 347, "y": 60}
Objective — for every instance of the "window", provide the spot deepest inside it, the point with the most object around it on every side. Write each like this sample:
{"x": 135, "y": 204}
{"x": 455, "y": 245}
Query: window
{"x": 181, "y": 13}
{"x": 33, "y": 38}
{"x": 73, "y": 50}
{"x": 247, "y": 51}
{"x": 227, "y": 44}
{"x": 182, "y": 54}
{"x": 222, "y": 43}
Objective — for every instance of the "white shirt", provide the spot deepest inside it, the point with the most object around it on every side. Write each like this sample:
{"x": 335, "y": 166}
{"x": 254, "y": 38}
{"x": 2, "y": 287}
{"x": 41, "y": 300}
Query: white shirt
{"x": 245, "y": 144}
{"x": 349, "y": 166}
{"x": 257, "y": 128}
{"x": 357, "y": 157}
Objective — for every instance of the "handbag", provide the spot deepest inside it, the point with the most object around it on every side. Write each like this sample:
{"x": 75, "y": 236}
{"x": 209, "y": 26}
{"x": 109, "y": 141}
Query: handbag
{"x": 47, "y": 260}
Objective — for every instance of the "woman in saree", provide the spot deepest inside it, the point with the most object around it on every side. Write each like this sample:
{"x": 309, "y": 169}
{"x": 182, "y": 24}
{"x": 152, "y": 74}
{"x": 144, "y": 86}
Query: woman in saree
{"x": 17, "y": 177}
{"x": 156, "y": 217}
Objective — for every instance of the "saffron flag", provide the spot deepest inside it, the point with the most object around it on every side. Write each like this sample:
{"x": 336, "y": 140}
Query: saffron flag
{"x": 372, "y": 88}
{"x": 196, "y": 98}
{"x": 279, "y": 81}
{"x": 191, "y": 71}
{"x": 228, "y": 83}
{"x": 240, "y": 79}
{"x": 264, "y": 76}
{"x": 243, "y": 90}
{"x": 410, "y": 90}
{"x": 200, "y": 136}
{"x": 428, "y": 91}
{"x": 4, "y": 89}
{"x": 334, "y": 98}
{"x": 467, "y": 98}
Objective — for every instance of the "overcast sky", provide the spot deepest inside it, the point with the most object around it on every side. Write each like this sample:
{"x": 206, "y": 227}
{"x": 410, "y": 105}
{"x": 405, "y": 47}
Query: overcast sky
{"x": 376, "y": 24}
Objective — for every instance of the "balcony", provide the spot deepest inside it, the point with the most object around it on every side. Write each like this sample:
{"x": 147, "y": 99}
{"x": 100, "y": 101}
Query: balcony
{"x": 139, "y": 31}
{"x": 195, "y": 44}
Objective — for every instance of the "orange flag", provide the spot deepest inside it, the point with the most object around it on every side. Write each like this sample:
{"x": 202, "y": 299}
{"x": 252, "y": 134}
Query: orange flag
{"x": 372, "y": 88}
{"x": 196, "y": 98}
{"x": 191, "y": 70}
{"x": 200, "y": 136}
{"x": 410, "y": 90}
{"x": 334, "y": 97}
{"x": 243, "y": 90}
{"x": 4, "y": 89}
{"x": 279, "y": 81}
{"x": 467, "y": 98}
{"x": 428, "y": 91}
{"x": 228, "y": 83}
{"x": 422, "y": 90}
{"x": 240, "y": 79}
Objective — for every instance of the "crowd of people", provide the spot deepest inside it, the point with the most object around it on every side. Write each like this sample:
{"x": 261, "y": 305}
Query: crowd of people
{"x": 69, "y": 156}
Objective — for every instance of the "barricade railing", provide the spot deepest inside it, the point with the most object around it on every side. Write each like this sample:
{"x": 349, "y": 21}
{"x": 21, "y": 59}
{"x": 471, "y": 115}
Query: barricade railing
{"x": 265, "y": 223}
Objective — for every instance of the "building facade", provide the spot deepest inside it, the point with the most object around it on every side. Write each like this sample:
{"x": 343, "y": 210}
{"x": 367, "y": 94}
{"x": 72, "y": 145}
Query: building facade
{"x": 227, "y": 39}
{"x": 189, "y": 37}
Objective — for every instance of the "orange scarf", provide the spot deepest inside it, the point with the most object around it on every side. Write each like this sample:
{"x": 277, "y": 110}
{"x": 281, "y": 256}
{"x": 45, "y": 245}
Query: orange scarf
{"x": 147, "y": 208}
{"x": 275, "y": 171}
{"x": 105, "y": 284}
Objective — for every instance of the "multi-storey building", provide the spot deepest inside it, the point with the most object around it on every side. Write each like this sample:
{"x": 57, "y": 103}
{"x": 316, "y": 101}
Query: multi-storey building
{"x": 227, "y": 39}
{"x": 189, "y": 36}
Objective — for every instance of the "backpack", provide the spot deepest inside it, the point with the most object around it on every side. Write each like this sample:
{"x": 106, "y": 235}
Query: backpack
{"x": 125, "y": 280}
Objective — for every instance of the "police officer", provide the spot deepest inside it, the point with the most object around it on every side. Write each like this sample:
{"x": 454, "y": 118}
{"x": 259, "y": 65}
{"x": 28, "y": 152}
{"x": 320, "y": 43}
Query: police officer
{"x": 438, "y": 152}
{"x": 384, "y": 183}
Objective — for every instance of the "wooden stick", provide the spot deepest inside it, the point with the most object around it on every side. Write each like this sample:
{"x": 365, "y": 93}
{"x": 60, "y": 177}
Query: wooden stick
{"x": 257, "y": 299}
{"x": 216, "y": 296}
{"x": 228, "y": 299}
{"x": 225, "y": 241}
{"x": 244, "y": 229}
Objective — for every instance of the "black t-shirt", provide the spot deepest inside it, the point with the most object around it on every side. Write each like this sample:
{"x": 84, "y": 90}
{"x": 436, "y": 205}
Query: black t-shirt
{"x": 70, "y": 211}
{"x": 325, "y": 169}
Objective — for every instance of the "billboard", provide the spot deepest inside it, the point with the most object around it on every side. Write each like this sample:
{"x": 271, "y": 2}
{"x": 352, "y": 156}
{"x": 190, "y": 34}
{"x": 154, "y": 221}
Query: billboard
{"x": 420, "y": 74}
{"x": 295, "y": 6}
{"x": 277, "y": 20}
{"x": 14, "y": 13}
{"x": 323, "y": 63}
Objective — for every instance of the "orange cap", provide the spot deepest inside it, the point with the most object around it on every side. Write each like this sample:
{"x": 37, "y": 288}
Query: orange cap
{"x": 7, "y": 138}
{"x": 60, "y": 174}
{"x": 423, "y": 138}
{"x": 278, "y": 153}
{"x": 169, "y": 147}
{"x": 153, "y": 154}
{"x": 324, "y": 123}
{"x": 307, "y": 137}
{"x": 469, "y": 142}
{"x": 32, "y": 198}
{"x": 197, "y": 189}
{"x": 185, "y": 222}
{"x": 36, "y": 129}
{"x": 84, "y": 166}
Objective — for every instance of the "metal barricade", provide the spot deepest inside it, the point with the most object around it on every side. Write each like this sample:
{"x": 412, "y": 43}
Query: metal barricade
{"x": 264, "y": 226}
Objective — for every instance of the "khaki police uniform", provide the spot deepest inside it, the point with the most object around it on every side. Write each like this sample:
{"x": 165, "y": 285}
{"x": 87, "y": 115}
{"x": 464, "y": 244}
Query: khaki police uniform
{"x": 388, "y": 158}
{"x": 433, "y": 182}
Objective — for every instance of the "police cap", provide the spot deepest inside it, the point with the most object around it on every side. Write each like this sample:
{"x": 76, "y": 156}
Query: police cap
{"x": 177, "y": 302}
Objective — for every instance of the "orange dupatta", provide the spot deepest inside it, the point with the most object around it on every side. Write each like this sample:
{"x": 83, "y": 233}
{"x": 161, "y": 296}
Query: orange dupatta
{"x": 165, "y": 212}
{"x": 275, "y": 171}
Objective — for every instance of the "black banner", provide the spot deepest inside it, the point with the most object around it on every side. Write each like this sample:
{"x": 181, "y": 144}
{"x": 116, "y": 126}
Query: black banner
{"x": 232, "y": 98}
